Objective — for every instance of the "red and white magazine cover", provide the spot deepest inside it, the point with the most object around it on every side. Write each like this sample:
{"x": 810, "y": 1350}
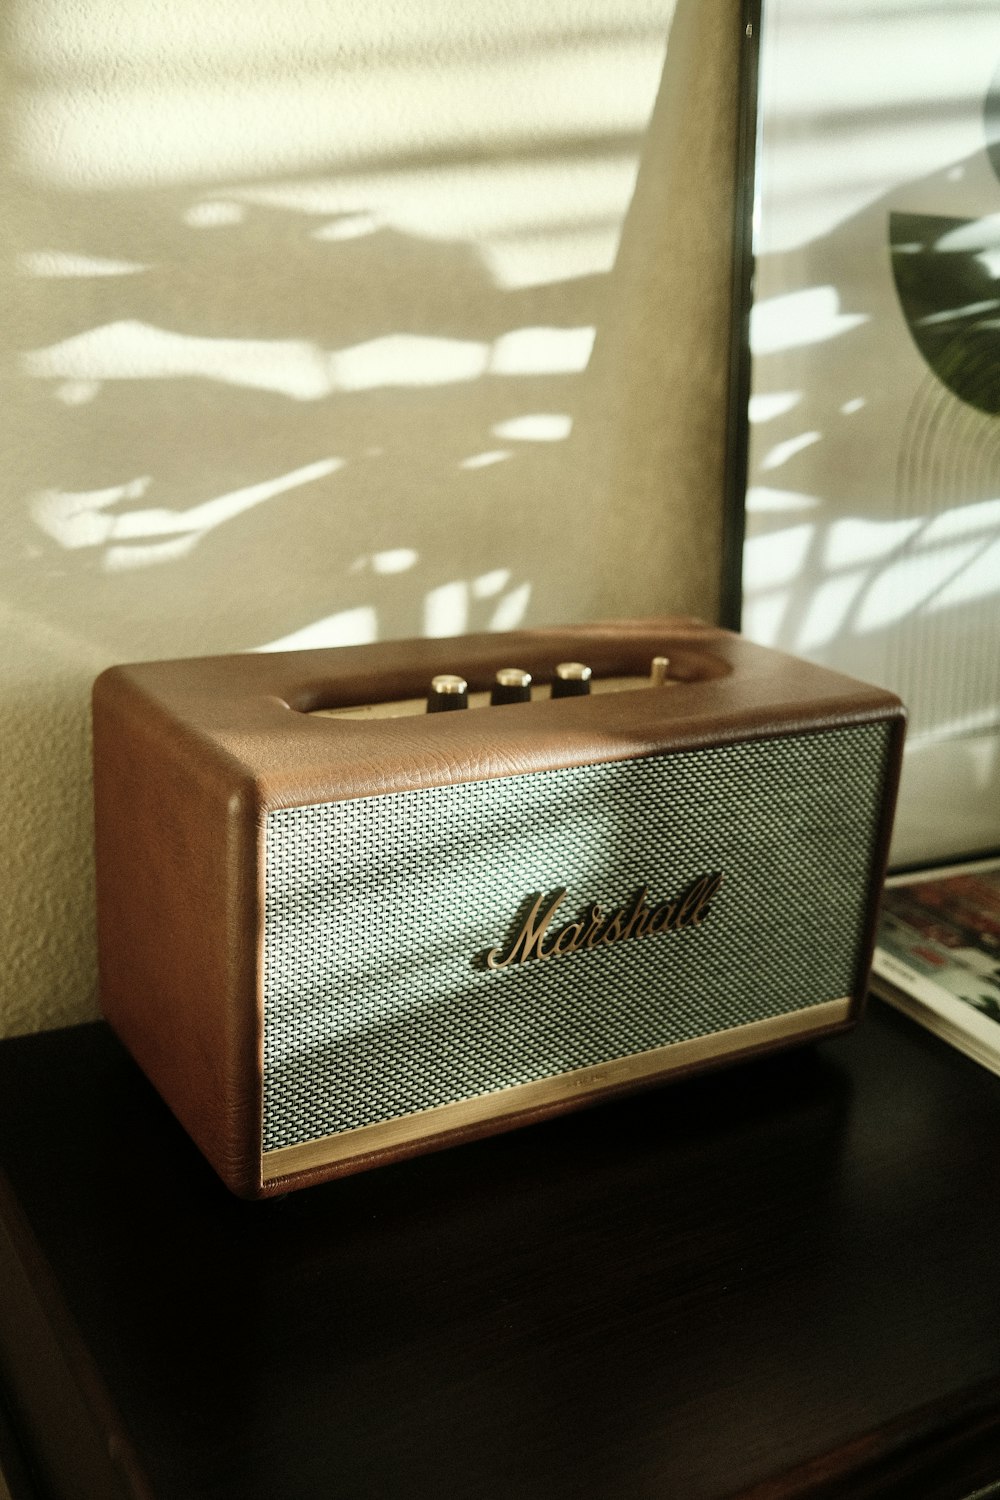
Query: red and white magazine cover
{"x": 938, "y": 954}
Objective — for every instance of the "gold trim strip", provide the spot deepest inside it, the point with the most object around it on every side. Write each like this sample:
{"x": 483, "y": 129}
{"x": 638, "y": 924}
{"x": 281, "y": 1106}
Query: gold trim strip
{"x": 387, "y": 1134}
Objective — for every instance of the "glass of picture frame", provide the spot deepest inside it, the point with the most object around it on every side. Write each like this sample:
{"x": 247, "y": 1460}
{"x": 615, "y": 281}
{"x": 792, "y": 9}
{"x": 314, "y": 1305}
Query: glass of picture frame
{"x": 867, "y": 281}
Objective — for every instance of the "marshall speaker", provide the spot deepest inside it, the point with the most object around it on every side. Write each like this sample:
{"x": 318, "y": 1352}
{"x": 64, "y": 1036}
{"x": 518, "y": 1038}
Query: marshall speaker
{"x": 363, "y": 902}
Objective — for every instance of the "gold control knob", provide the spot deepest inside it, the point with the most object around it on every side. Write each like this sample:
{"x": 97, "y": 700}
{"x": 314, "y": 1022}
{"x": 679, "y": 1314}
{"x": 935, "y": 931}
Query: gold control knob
{"x": 658, "y": 669}
{"x": 447, "y": 692}
{"x": 572, "y": 680}
{"x": 511, "y": 686}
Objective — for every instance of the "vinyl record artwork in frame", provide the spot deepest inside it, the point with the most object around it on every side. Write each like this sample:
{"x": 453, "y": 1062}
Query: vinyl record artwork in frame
{"x": 872, "y": 539}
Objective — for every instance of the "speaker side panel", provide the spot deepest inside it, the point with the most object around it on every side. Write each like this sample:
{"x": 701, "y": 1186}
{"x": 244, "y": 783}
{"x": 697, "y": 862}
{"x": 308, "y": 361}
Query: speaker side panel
{"x": 179, "y": 916}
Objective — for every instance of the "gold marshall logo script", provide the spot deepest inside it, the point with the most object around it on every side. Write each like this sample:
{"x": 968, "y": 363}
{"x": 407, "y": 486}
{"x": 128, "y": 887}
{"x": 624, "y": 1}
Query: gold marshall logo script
{"x": 599, "y": 930}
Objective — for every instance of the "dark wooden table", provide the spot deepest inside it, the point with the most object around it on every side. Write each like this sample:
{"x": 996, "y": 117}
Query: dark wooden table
{"x": 776, "y": 1280}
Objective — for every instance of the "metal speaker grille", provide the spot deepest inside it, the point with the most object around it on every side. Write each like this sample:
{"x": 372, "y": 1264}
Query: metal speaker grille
{"x": 379, "y": 913}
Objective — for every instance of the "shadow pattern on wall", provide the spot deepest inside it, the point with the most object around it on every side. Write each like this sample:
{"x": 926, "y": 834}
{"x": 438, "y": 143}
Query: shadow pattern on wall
{"x": 393, "y": 365}
{"x": 360, "y": 400}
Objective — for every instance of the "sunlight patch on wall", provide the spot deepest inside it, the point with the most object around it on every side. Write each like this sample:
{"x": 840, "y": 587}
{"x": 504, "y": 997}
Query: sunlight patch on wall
{"x": 351, "y": 227}
{"x": 446, "y": 613}
{"x": 474, "y": 200}
{"x": 203, "y": 129}
{"x": 489, "y": 584}
{"x": 536, "y": 427}
{"x": 512, "y": 608}
{"x": 212, "y": 214}
{"x": 54, "y": 37}
{"x": 487, "y": 459}
{"x": 349, "y": 627}
{"x": 56, "y": 264}
{"x": 301, "y": 370}
{"x": 543, "y": 351}
{"x": 131, "y": 350}
{"x": 406, "y": 359}
{"x": 446, "y": 609}
{"x": 394, "y": 560}
{"x": 77, "y": 519}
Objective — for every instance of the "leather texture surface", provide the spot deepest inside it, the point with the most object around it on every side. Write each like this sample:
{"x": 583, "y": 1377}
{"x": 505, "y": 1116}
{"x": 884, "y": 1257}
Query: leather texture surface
{"x": 191, "y": 756}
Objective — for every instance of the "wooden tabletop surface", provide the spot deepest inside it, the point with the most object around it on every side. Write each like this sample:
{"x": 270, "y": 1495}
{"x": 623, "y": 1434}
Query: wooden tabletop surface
{"x": 780, "y": 1279}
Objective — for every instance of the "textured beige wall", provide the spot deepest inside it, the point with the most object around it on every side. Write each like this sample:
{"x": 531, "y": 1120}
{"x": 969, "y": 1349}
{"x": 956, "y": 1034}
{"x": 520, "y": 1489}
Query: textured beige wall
{"x": 332, "y": 322}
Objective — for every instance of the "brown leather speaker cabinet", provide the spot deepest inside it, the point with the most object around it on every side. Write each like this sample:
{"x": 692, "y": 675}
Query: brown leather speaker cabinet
{"x": 336, "y": 928}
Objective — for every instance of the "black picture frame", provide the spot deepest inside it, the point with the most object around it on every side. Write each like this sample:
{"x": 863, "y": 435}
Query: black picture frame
{"x": 742, "y": 286}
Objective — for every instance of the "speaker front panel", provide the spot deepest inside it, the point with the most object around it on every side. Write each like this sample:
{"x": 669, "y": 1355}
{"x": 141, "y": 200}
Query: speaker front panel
{"x": 746, "y": 868}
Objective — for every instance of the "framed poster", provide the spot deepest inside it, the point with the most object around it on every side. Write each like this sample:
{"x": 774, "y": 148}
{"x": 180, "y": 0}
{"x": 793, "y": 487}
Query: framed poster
{"x": 873, "y": 496}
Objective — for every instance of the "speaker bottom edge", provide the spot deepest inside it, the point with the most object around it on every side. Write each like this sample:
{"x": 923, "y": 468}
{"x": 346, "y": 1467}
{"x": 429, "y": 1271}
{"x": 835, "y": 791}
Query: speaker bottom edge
{"x": 546, "y": 1093}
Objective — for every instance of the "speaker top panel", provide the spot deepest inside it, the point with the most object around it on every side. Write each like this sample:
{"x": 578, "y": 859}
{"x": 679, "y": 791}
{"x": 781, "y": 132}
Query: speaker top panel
{"x": 286, "y": 729}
